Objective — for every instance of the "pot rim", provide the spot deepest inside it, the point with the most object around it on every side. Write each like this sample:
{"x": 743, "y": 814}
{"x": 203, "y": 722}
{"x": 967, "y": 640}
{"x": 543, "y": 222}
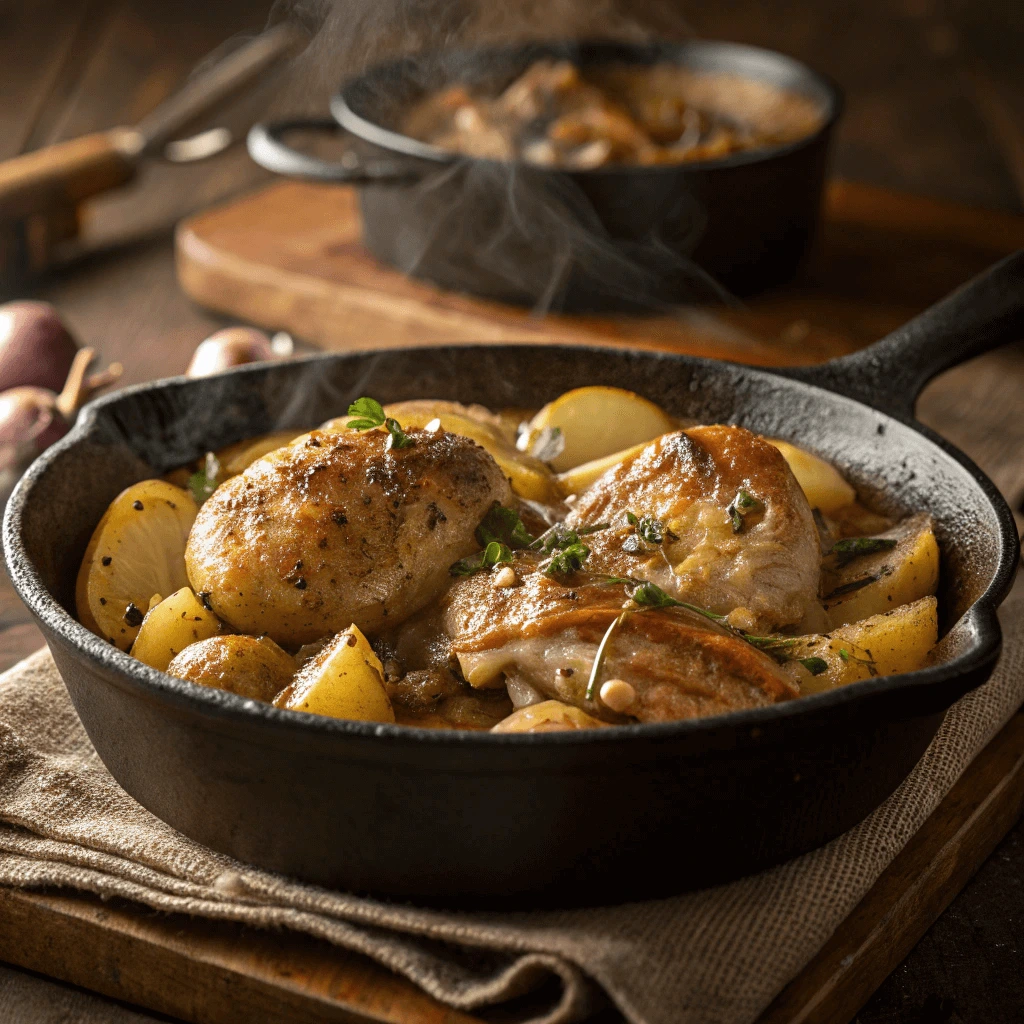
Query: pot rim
{"x": 397, "y": 142}
{"x": 234, "y": 711}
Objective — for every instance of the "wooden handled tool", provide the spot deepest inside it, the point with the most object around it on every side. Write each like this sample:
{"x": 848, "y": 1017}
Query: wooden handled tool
{"x": 40, "y": 191}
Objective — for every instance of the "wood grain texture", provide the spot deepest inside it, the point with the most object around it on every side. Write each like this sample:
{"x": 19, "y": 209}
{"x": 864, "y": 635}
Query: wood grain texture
{"x": 289, "y": 257}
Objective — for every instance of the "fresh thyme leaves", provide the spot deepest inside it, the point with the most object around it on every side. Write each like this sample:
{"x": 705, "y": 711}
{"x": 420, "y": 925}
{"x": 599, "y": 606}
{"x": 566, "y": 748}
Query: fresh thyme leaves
{"x": 567, "y": 560}
{"x": 845, "y": 551}
{"x": 814, "y": 665}
{"x": 868, "y": 662}
{"x": 650, "y": 595}
{"x": 369, "y": 414}
{"x": 559, "y": 537}
{"x": 844, "y": 654}
{"x": 203, "y": 483}
{"x": 646, "y": 530}
{"x": 504, "y": 526}
{"x": 595, "y": 670}
{"x": 493, "y": 554}
{"x": 742, "y": 505}
{"x": 548, "y": 444}
{"x": 852, "y": 586}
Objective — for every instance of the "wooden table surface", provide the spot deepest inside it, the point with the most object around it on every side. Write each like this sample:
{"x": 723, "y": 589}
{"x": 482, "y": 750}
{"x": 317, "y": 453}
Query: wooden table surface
{"x": 935, "y": 106}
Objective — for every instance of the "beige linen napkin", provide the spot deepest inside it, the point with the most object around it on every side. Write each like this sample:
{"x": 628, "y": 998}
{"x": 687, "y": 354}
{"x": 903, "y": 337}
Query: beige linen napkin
{"x": 713, "y": 957}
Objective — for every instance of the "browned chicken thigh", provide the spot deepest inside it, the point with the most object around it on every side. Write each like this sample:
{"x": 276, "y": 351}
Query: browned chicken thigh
{"x": 738, "y": 537}
{"x": 338, "y": 529}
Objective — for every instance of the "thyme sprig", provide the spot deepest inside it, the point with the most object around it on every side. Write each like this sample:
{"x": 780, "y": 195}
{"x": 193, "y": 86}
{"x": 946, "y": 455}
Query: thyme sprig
{"x": 646, "y": 530}
{"x": 568, "y": 553}
{"x": 204, "y": 482}
{"x": 369, "y": 414}
{"x": 504, "y": 526}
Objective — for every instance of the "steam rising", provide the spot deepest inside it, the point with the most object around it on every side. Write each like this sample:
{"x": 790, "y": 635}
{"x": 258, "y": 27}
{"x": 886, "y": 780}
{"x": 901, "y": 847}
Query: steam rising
{"x": 532, "y": 237}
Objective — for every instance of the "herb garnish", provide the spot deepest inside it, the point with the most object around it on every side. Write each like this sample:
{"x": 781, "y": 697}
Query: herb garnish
{"x": 645, "y": 529}
{"x": 852, "y": 586}
{"x": 845, "y": 551}
{"x": 742, "y": 504}
{"x": 814, "y": 665}
{"x": 504, "y": 526}
{"x": 204, "y": 482}
{"x": 868, "y": 662}
{"x": 493, "y": 554}
{"x": 369, "y": 414}
{"x": 560, "y": 536}
{"x": 567, "y": 560}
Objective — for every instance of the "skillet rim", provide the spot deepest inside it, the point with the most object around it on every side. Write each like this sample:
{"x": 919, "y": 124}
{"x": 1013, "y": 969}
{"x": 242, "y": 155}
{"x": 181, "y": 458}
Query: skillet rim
{"x": 227, "y": 711}
{"x": 392, "y": 140}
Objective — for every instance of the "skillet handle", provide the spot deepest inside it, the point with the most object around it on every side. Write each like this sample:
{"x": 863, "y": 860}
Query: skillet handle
{"x": 267, "y": 146}
{"x": 986, "y": 312}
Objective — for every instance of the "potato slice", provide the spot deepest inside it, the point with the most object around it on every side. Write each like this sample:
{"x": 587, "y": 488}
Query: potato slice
{"x": 529, "y": 477}
{"x": 172, "y": 625}
{"x": 250, "y": 666}
{"x": 579, "y": 478}
{"x": 238, "y": 457}
{"x": 876, "y": 583}
{"x": 136, "y": 550}
{"x": 820, "y": 481}
{"x": 882, "y": 645}
{"x": 548, "y": 716}
{"x": 345, "y": 680}
{"x": 597, "y": 422}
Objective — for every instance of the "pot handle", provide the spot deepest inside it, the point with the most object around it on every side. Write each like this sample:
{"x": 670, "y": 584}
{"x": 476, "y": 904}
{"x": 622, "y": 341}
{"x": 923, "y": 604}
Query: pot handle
{"x": 986, "y": 312}
{"x": 267, "y": 146}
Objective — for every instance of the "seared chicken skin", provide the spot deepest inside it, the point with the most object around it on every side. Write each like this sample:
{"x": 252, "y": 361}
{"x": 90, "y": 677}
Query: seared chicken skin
{"x": 338, "y": 529}
{"x": 541, "y": 637}
{"x": 739, "y": 536}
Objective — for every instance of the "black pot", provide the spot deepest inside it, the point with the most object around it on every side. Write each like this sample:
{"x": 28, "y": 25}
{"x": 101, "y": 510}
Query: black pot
{"x": 479, "y": 818}
{"x": 618, "y": 237}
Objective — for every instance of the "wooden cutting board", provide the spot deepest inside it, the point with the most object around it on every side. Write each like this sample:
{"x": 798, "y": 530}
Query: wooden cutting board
{"x": 289, "y": 258}
{"x": 216, "y": 973}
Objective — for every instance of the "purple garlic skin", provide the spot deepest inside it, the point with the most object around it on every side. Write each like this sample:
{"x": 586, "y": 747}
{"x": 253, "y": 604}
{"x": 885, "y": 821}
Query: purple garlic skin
{"x": 36, "y": 347}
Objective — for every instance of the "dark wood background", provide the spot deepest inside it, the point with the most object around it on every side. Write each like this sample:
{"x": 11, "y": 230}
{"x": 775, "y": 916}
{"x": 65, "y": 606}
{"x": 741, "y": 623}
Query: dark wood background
{"x": 935, "y": 94}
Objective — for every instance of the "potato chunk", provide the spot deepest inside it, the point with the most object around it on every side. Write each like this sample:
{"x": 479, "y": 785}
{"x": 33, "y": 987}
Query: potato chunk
{"x": 249, "y": 666}
{"x": 579, "y": 478}
{"x": 548, "y": 716}
{"x": 870, "y": 584}
{"x": 170, "y": 626}
{"x": 819, "y": 480}
{"x": 882, "y": 645}
{"x": 598, "y": 421}
{"x": 137, "y": 550}
{"x": 345, "y": 680}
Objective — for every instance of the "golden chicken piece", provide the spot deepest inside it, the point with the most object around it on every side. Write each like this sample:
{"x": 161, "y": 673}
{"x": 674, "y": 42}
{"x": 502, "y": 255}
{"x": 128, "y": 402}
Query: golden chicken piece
{"x": 737, "y": 534}
{"x": 540, "y": 638}
{"x": 338, "y": 529}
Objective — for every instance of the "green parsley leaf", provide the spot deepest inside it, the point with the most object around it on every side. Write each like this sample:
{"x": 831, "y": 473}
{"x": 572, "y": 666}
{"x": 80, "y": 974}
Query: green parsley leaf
{"x": 503, "y": 525}
{"x": 398, "y": 437}
{"x": 814, "y": 665}
{"x": 493, "y": 554}
{"x": 742, "y": 504}
{"x": 845, "y": 551}
{"x": 567, "y": 560}
{"x": 370, "y": 414}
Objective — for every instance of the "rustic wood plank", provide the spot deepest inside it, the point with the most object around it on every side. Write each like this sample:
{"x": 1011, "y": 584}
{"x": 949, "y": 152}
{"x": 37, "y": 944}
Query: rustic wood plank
{"x": 914, "y": 890}
{"x": 206, "y": 972}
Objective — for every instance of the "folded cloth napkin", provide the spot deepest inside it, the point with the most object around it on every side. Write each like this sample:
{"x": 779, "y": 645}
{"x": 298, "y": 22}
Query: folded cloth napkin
{"x": 713, "y": 957}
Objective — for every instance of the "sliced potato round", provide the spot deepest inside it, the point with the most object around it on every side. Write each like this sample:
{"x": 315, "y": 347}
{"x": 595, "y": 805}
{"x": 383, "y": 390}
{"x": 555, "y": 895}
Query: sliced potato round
{"x": 137, "y": 550}
{"x": 597, "y": 422}
{"x": 820, "y": 481}
{"x": 345, "y": 680}
{"x": 548, "y": 716}
{"x": 170, "y": 626}
{"x": 579, "y": 478}
{"x": 250, "y": 666}
{"x": 529, "y": 477}
{"x": 238, "y": 457}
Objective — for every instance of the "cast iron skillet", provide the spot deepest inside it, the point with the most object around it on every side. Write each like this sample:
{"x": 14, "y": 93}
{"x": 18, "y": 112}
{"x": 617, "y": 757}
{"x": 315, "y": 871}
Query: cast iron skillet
{"x": 613, "y": 237}
{"x": 559, "y": 818}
